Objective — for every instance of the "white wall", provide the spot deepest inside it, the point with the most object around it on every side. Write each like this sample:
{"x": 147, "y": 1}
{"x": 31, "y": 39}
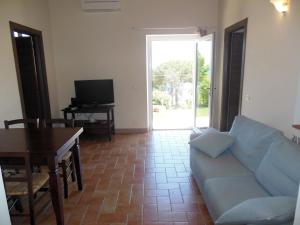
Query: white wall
{"x": 35, "y": 14}
{"x": 272, "y": 67}
{"x": 104, "y": 45}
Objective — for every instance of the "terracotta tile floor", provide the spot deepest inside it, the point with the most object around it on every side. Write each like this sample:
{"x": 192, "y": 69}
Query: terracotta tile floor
{"x": 139, "y": 179}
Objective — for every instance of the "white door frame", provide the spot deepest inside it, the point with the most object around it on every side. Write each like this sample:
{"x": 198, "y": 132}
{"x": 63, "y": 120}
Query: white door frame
{"x": 149, "y": 40}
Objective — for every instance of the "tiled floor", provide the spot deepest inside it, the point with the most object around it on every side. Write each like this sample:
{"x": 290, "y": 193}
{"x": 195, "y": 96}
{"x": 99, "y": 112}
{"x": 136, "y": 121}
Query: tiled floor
{"x": 140, "y": 179}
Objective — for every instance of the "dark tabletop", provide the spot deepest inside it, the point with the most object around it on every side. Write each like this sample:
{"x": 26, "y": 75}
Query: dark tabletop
{"x": 37, "y": 141}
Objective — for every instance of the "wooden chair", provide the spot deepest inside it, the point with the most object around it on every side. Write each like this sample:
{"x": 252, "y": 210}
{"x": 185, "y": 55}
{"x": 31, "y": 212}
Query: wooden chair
{"x": 31, "y": 123}
{"x": 67, "y": 162}
{"x": 26, "y": 183}
{"x": 25, "y": 122}
{"x": 14, "y": 201}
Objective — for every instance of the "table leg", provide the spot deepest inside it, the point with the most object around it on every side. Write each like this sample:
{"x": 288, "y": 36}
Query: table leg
{"x": 108, "y": 125}
{"x": 76, "y": 155}
{"x": 65, "y": 115}
{"x": 56, "y": 196}
{"x": 113, "y": 120}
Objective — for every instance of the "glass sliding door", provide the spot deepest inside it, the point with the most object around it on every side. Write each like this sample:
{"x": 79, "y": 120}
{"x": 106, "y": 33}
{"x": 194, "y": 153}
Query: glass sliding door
{"x": 204, "y": 79}
{"x": 180, "y": 75}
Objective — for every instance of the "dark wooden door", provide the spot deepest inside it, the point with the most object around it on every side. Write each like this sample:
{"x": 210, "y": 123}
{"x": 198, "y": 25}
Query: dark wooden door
{"x": 30, "y": 89}
{"x": 31, "y": 71}
{"x": 235, "y": 78}
{"x": 234, "y": 56}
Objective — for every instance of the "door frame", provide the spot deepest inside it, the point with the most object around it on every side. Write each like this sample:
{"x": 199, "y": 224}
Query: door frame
{"x": 227, "y": 55}
{"x": 40, "y": 66}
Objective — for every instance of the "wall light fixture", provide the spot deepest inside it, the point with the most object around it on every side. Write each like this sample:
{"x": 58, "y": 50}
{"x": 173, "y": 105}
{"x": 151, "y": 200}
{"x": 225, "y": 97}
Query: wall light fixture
{"x": 281, "y": 5}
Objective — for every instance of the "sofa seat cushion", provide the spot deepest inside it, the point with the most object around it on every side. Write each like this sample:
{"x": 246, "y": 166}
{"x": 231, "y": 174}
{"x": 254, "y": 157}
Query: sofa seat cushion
{"x": 252, "y": 140}
{"x": 279, "y": 170}
{"x": 289, "y": 223}
{"x": 221, "y": 194}
{"x": 265, "y": 210}
{"x": 204, "y": 167}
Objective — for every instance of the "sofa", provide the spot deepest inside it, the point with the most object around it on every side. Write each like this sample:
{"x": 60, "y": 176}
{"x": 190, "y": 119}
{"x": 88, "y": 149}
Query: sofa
{"x": 261, "y": 163}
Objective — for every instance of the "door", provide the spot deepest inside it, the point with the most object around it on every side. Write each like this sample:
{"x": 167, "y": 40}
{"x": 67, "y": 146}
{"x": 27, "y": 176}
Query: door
{"x": 234, "y": 57}
{"x": 180, "y": 79}
{"x": 204, "y": 80}
{"x": 31, "y": 71}
{"x": 171, "y": 64}
{"x": 28, "y": 73}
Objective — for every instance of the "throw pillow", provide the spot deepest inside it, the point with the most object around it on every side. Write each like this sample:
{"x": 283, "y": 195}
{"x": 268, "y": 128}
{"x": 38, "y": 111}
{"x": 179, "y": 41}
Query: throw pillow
{"x": 213, "y": 142}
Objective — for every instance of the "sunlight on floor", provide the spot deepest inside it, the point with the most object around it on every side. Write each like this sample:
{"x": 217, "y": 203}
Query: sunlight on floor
{"x": 178, "y": 119}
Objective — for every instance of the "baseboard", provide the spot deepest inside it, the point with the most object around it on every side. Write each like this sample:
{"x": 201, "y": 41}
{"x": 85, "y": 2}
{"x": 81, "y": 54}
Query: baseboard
{"x": 132, "y": 131}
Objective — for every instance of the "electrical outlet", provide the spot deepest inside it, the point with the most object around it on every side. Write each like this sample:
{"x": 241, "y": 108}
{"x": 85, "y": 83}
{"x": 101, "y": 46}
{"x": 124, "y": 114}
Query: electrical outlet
{"x": 248, "y": 98}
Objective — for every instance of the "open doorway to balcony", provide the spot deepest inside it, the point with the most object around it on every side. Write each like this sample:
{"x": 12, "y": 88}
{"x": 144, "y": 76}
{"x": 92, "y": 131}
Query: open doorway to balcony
{"x": 179, "y": 81}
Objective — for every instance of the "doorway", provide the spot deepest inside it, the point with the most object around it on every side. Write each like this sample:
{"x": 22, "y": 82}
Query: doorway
{"x": 233, "y": 73}
{"x": 179, "y": 81}
{"x": 31, "y": 71}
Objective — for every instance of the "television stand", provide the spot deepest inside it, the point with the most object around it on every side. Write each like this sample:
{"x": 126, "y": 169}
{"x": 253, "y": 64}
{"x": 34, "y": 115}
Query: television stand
{"x": 103, "y": 127}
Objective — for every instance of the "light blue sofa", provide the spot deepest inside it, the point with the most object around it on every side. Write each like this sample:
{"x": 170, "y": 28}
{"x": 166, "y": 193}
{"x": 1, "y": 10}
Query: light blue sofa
{"x": 258, "y": 164}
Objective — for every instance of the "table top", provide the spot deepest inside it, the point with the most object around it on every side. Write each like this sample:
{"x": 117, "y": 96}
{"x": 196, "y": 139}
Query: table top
{"x": 38, "y": 141}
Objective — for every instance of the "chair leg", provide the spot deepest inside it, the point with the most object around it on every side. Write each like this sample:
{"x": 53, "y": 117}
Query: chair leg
{"x": 65, "y": 178}
{"x": 72, "y": 167}
{"x": 18, "y": 205}
{"x": 31, "y": 209}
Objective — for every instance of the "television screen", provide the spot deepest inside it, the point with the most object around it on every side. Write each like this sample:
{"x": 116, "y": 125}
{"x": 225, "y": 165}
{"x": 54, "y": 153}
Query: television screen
{"x": 94, "y": 91}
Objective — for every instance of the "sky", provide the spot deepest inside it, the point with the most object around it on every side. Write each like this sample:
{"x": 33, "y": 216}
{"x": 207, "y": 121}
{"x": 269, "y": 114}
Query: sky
{"x": 163, "y": 51}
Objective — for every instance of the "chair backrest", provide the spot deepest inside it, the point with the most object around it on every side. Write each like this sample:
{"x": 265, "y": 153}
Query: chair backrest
{"x": 59, "y": 122}
{"x": 25, "y": 122}
{"x": 25, "y": 181}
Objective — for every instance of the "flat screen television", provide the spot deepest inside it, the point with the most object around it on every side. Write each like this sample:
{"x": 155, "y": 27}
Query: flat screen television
{"x": 94, "y": 92}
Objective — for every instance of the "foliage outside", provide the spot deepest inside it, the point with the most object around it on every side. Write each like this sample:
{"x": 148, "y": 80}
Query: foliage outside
{"x": 203, "y": 85}
{"x": 172, "y": 81}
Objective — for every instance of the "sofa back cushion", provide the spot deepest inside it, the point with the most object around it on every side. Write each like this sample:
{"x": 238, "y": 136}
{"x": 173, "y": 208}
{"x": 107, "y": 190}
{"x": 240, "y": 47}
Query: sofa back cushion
{"x": 279, "y": 172}
{"x": 252, "y": 141}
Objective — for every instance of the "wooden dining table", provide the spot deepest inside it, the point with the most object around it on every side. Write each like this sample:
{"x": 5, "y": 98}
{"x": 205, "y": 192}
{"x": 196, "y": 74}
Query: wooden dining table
{"x": 46, "y": 147}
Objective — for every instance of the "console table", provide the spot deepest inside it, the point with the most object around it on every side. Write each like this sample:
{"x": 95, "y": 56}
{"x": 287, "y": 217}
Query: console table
{"x": 105, "y": 127}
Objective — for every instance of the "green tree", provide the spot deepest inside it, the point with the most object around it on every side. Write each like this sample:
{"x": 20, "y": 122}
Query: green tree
{"x": 171, "y": 75}
{"x": 203, "y": 85}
